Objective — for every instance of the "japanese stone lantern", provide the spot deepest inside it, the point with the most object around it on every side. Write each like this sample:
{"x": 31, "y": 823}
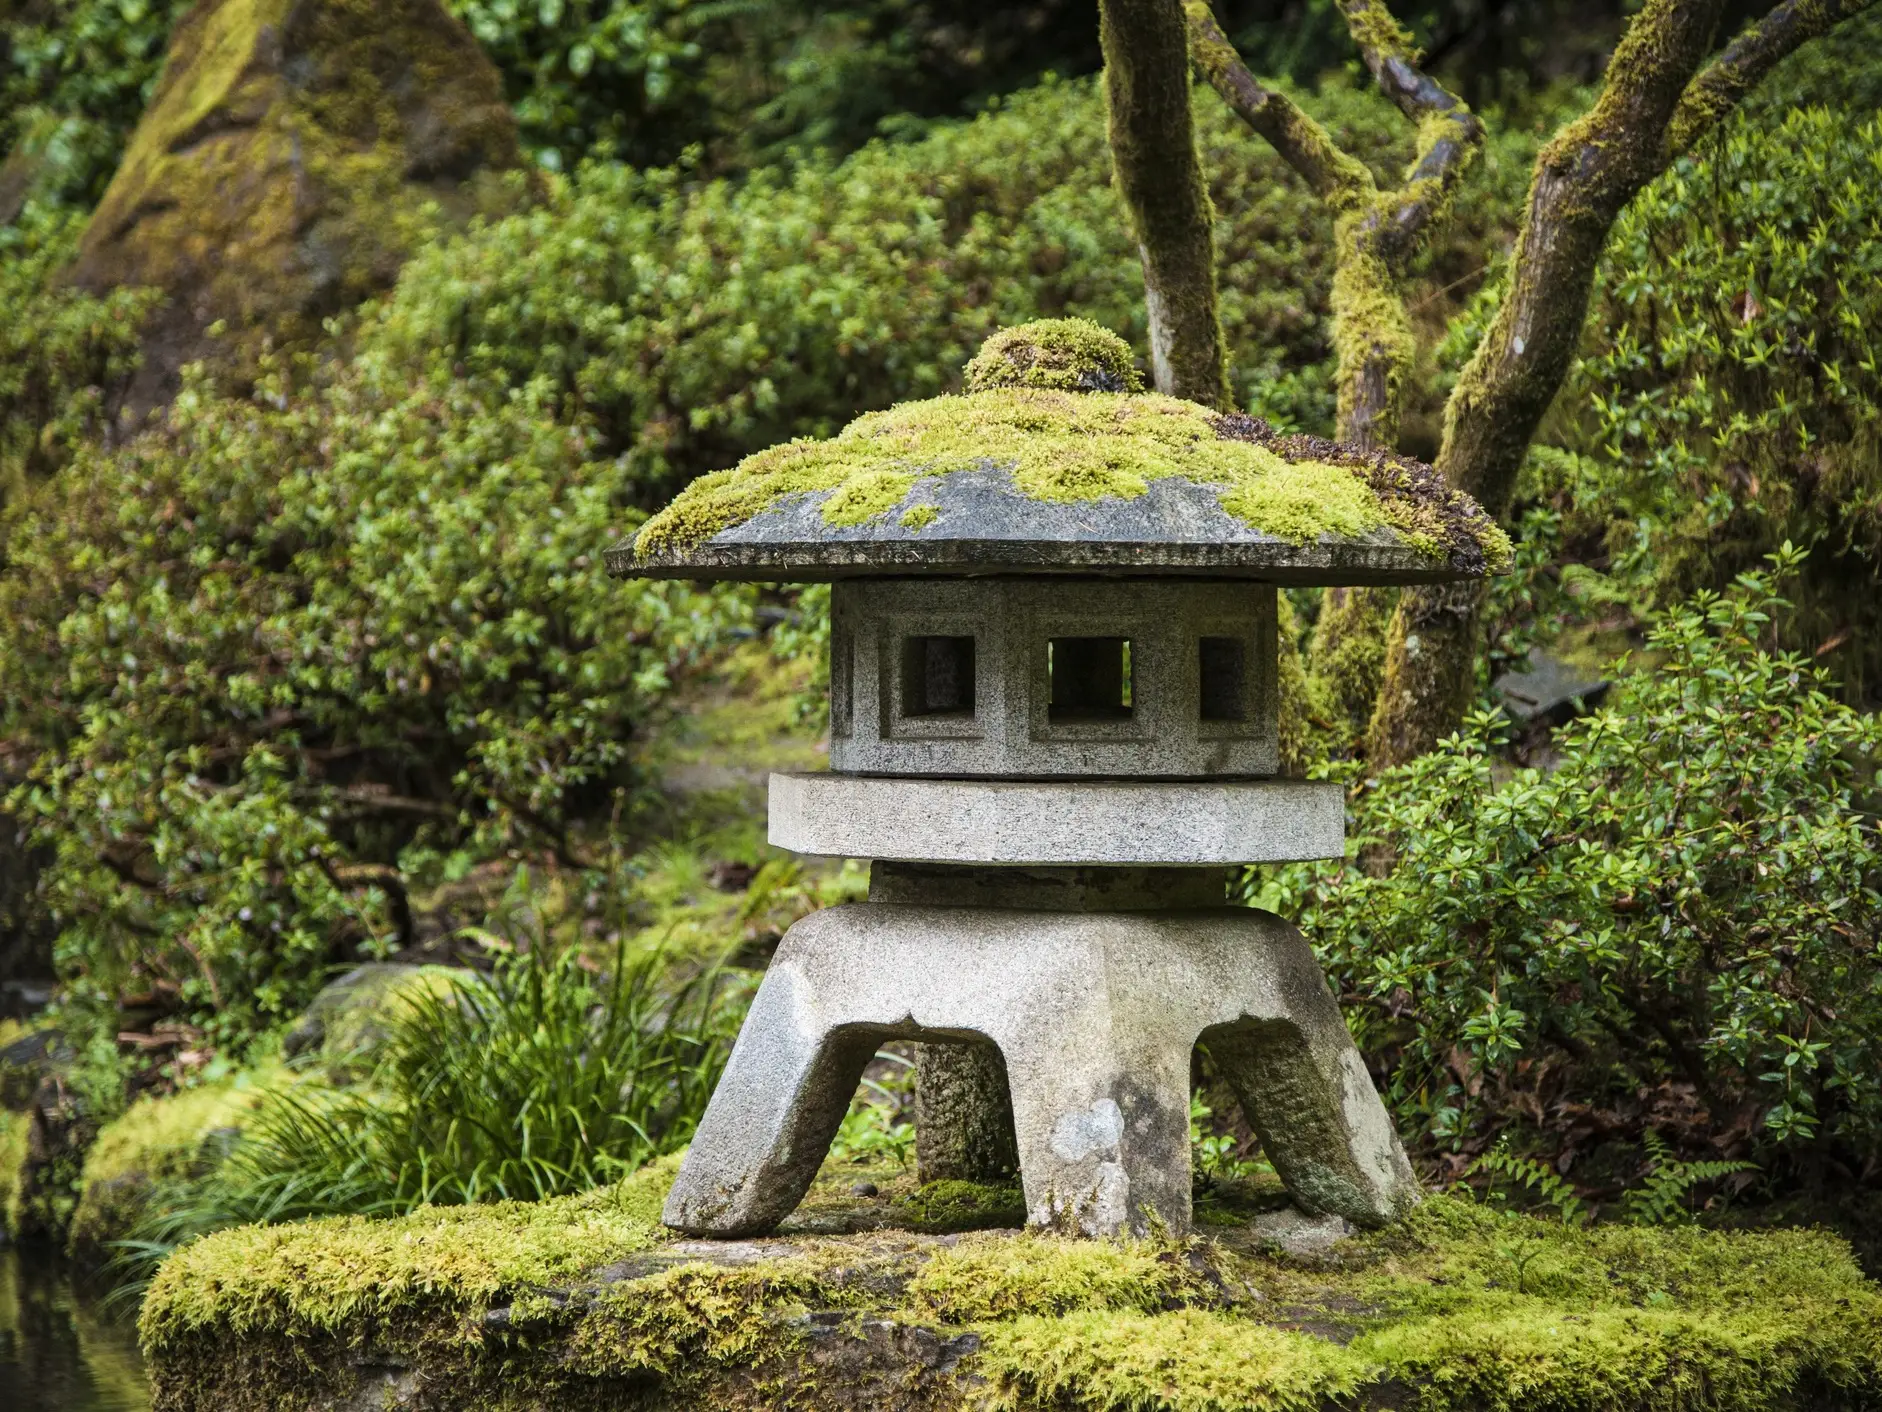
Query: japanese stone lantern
{"x": 1053, "y": 730}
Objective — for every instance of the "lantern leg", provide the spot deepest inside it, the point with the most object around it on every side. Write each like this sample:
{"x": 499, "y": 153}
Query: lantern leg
{"x": 1096, "y": 1015}
{"x": 1304, "y": 1087}
{"x": 772, "y": 1118}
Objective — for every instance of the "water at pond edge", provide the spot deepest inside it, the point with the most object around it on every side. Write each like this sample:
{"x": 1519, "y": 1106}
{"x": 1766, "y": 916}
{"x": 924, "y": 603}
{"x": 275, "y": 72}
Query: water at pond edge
{"x": 60, "y": 1349}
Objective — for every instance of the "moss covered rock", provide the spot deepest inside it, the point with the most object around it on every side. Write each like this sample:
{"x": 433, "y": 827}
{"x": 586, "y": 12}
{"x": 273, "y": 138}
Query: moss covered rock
{"x": 347, "y": 1022}
{"x": 293, "y": 153}
{"x": 156, "y": 1139}
{"x": 587, "y": 1303}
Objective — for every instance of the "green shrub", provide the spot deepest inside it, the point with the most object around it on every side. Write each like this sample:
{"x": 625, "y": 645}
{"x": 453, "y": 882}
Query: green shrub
{"x": 539, "y": 1079}
{"x": 63, "y": 354}
{"x": 1729, "y": 397}
{"x": 74, "y": 77}
{"x": 272, "y": 668}
{"x": 696, "y": 322}
{"x": 1688, "y": 898}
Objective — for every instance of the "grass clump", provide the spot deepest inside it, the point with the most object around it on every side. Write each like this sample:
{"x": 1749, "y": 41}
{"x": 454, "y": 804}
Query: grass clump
{"x": 536, "y": 1081}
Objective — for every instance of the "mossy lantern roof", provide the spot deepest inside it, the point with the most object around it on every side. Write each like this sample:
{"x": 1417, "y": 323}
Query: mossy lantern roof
{"x": 1053, "y": 459}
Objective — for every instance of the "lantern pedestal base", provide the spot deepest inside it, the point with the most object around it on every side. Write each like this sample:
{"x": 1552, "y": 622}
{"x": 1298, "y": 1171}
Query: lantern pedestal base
{"x": 1096, "y": 1015}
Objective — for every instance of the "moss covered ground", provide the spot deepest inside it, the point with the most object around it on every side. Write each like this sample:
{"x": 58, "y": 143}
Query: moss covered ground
{"x": 865, "y": 1301}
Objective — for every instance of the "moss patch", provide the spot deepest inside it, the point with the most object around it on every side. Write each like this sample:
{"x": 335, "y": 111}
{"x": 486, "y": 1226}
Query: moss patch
{"x": 1060, "y": 355}
{"x": 12, "y": 1161}
{"x": 1461, "y": 1307}
{"x": 1188, "y": 1360}
{"x": 362, "y": 1275}
{"x": 1070, "y": 447}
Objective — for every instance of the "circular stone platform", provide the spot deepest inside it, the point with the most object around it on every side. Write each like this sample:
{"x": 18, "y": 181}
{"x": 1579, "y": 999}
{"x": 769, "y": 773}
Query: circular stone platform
{"x": 1057, "y": 822}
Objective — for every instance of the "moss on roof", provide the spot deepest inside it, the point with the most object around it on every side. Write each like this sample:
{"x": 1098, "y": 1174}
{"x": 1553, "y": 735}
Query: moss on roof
{"x": 1066, "y": 446}
{"x": 1060, "y": 355}
{"x": 1069, "y": 447}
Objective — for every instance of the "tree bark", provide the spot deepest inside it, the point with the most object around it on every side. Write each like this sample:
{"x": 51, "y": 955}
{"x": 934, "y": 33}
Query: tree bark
{"x": 963, "y": 1115}
{"x": 1651, "y": 107}
{"x": 1153, "y": 152}
{"x": 1379, "y": 233}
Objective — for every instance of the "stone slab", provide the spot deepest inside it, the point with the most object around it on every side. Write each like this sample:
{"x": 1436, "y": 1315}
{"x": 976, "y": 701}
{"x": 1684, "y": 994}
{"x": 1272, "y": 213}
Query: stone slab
{"x": 985, "y": 525}
{"x": 1064, "y": 823}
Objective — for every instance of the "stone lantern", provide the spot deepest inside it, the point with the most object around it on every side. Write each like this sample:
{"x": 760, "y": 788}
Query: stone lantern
{"x": 1053, "y": 730}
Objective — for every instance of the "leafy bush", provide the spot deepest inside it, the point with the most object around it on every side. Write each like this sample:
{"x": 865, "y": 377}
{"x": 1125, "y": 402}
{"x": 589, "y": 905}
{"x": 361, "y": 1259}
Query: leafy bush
{"x": 273, "y": 668}
{"x": 74, "y": 77}
{"x": 63, "y": 354}
{"x": 698, "y": 321}
{"x": 1686, "y": 904}
{"x": 1730, "y": 395}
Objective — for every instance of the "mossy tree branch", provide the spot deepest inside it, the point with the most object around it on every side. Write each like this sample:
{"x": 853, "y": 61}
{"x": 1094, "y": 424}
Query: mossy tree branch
{"x": 1379, "y": 233}
{"x": 1746, "y": 61}
{"x": 1651, "y": 107}
{"x": 1153, "y": 150}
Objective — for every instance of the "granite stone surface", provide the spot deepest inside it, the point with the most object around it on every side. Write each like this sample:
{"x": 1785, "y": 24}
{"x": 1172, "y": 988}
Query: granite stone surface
{"x": 1058, "y": 823}
{"x": 1016, "y": 678}
{"x": 1096, "y": 1015}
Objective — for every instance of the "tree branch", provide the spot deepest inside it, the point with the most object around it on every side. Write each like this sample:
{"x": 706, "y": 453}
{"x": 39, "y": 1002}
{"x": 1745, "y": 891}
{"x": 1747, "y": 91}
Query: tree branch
{"x": 1378, "y": 234}
{"x": 1336, "y": 177}
{"x": 1584, "y": 177}
{"x": 1746, "y": 61}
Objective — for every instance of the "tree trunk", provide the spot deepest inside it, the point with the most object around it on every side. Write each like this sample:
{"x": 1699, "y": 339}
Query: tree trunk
{"x": 1584, "y": 178}
{"x": 963, "y": 1115}
{"x": 1153, "y": 152}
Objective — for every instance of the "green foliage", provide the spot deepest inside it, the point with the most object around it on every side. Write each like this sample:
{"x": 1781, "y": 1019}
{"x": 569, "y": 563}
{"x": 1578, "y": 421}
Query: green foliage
{"x": 1550, "y": 1188}
{"x": 1689, "y": 896}
{"x": 1660, "y": 1200}
{"x": 74, "y": 76}
{"x": 540, "y": 1079}
{"x": 293, "y": 657}
{"x": 1730, "y": 391}
{"x": 62, "y": 353}
{"x": 751, "y": 80}
{"x": 696, "y": 322}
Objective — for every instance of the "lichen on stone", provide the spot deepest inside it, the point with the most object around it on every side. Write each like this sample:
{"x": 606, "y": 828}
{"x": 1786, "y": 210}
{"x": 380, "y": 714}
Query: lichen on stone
{"x": 1070, "y": 447}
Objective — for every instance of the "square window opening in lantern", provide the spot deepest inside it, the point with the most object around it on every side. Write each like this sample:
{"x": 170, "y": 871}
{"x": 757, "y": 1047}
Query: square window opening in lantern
{"x": 938, "y": 677}
{"x": 1090, "y": 679}
{"x": 1223, "y": 664}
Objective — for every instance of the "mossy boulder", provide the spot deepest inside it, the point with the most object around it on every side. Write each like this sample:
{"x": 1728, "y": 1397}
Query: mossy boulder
{"x": 292, "y": 155}
{"x": 586, "y": 1303}
{"x": 157, "y": 1139}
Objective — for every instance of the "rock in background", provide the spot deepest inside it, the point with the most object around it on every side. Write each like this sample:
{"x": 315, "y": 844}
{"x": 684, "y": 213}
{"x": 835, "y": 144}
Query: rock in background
{"x": 289, "y": 159}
